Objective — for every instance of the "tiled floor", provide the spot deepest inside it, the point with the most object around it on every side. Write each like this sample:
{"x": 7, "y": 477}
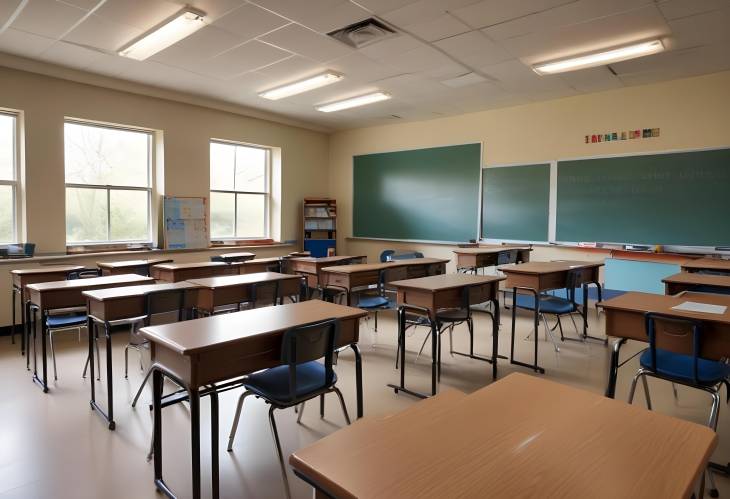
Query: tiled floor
{"x": 54, "y": 446}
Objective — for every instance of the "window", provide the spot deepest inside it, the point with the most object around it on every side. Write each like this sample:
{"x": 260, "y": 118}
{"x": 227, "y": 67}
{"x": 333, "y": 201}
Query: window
{"x": 8, "y": 178}
{"x": 108, "y": 184}
{"x": 239, "y": 191}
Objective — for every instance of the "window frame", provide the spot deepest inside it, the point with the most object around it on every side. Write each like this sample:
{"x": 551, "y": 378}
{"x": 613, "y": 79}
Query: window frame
{"x": 150, "y": 189}
{"x": 14, "y": 183}
{"x": 266, "y": 194}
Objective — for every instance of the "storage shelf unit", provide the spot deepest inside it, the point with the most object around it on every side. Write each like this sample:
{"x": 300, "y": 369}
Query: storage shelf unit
{"x": 319, "y": 221}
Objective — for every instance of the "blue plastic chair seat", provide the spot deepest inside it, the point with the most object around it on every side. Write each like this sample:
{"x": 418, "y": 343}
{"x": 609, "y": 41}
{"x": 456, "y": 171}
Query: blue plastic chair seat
{"x": 273, "y": 384}
{"x": 548, "y": 304}
{"x": 59, "y": 321}
{"x": 373, "y": 302}
{"x": 680, "y": 367}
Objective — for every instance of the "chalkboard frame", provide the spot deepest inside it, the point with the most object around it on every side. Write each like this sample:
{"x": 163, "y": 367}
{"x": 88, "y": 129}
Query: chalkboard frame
{"x": 478, "y": 209}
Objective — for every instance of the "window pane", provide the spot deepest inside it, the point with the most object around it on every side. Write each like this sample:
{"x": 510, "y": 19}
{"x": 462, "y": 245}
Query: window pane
{"x": 222, "y": 160}
{"x": 128, "y": 216}
{"x": 106, "y": 156}
{"x": 250, "y": 169}
{"x": 6, "y": 214}
{"x": 7, "y": 147}
{"x": 222, "y": 208}
{"x": 251, "y": 216}
{"x": 86, "y": 215}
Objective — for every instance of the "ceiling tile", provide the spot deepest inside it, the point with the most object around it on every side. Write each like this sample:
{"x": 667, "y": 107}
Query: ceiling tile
{"x": 519, "y": 78}
{"x": 246, "y": 57}
{"x": 83, "y": 4}
{"x": 386, "y": 48}
{"x": 111, "y": 65}
{"x": 672, "y": 65}
{"x": 464, "y": 80}
{"x": 320, "y": 15}
{"x": 21, "y": 43}
{"x": 596, "y": 34}
{"x": 444, "y": 71}
{"x": 70, "y": 55}
{"x": 474, "y": 49}
{"x": 292, "y": 69}
{"x": 96, "y": 32}
{"x": 7, "y": 9}
{"x": 592, "y": 79}
{"x": 675, "y": 9}
{"x": 141, "y": 14}
{"x": 47, "y": 18}
{"x": 357, "y": 66}
{"x": 443, "y": 26}
{"x": 382, "y": 6}
{"x": 702, "y": 29}
{"x": 203, "y": 44}
{"x": 422, "y": 11}
{"x": 419, "y": 59}
{"x": 213, "y": 9}
{"x": 303, "y": 41}
{"x": 490, "y": 12}
{"x": 250, "y": 21}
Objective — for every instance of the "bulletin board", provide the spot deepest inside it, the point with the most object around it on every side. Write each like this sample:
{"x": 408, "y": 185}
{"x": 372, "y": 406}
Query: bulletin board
{"x": 186, "y": 225}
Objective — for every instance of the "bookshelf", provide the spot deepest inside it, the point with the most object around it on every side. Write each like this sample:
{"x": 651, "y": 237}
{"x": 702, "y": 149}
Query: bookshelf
{"x": 319, "y": 220}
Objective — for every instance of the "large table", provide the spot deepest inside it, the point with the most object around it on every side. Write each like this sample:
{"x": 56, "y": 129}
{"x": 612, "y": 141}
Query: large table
{"x": 688, "y": 281}
{"x": 718, "y": 265}
{"x": 47, "y": 296}
{"x": 108, "y": 305}
{"x": 471, "y": 259}
{"x": 212, "y": 350}
{"x": 21, "y": 278}
{"x": 141, "y": 267}
{"x": 426, "y": 296}
{"x": 311, "y": 266}
{"x": 175, "y": 272}
{"x": 349, "y": 277}
{"x": 536, "y": 277}
{"x": 236, "y": 289}
{"x": 519, "y": 437}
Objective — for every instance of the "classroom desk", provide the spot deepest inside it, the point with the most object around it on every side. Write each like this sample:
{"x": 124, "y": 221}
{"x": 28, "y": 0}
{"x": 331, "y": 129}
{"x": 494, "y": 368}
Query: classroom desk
{"x": 688, "y": 281}
{"x": 625, "y": 321}
{"x": 236, "y": 289}
{"x": 222, "y": 347}
{"x": 113, "y": 304}
{"x": 311, "y": 266}
{"x": 175, "y": 272}
{"x": 272, "y": 264}
{"x": 349, "y": 277}
{"x": 503, "y": 441}
{"x": 471, "y": 259}
{"x": 718, "y": 265}
{"x": 536, "y": 277}
{"x": 46, "y": 296}
{"x": 240, "y": 256}
{"x": 141, "y": 267}
{"x": 427, "y": 295}
{"x": 21, "y": 278}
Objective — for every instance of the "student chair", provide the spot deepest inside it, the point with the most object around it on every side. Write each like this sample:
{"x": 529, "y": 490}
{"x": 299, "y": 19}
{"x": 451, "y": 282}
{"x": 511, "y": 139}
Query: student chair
{"x": 331, "y": 293}
{"x": 674, "y": 355}
{"x": 217, "y": 258}
{"x": 83, "y": 274}
{"x": 300, "y": 378}
{"x": 705, "y": 288}
{"x": 379, "y": 299}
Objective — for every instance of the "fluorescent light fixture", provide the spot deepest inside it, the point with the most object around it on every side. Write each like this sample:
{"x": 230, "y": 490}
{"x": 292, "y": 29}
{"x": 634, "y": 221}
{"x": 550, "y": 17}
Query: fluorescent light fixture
{"x": 181, "y": 25}
{"x": 600, "y": 58}
{"x": 301, "y": 86}
{"x": 354, "y": 102}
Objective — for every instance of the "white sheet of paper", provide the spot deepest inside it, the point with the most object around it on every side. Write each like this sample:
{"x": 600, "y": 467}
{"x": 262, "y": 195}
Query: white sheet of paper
{"x": 705, "y": 308}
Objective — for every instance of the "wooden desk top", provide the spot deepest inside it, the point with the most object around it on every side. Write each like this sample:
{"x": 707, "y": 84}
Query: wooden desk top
{"x": 272, "y": 259}
{"x": 547, "y": 267}
{"x": 214, "y": 332}
{"x": 324, "y": 259}
{"x": 473, "y": 450}
{"x": 130, "y": 263}
{"x": 446, "y": 281}
{"x": 240, "y": 254}
{"x": 241, "y": 280}
{"x": 127, "y": 291}
{"x": 193, "y": 265}
{"x": 47, "y": 269}
{"x": 486, "y": 250}
{"x": 88, "y": 283}
{"x": 707, "y": 263}
{"x": 634, "y": 301}
{"x": 690, "y": 278}
{"x": 368, "y": 267}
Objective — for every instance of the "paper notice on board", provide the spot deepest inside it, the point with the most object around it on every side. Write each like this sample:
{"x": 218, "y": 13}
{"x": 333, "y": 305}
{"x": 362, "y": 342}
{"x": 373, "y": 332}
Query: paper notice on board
{"x": 704, "y": 308}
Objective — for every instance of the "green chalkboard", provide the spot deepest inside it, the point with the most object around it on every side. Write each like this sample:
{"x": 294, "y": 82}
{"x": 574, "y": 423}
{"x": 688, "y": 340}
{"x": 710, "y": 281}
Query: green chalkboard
{"x": 515, "y": 202}
{"x": 424, "y": 194}
{"x": 671, "y": 199}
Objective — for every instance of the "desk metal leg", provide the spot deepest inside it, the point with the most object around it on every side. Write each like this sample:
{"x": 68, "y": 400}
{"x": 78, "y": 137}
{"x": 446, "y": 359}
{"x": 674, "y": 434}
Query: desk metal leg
{"x": 43, "y": 383}
{"x": 613, "y": 367}
{"x": 358, "y": 379}
{"x": 12, "y": 328}
{"x": 495, "y": 341}
{"x": 587, "y": 336}
{"x": 194, "y": 401}
{"x": 214, "y": 450}
{"x": 402, "y": 339}
{"x": 535, "y": 367}
{"x": 27, "y": 333}
{"x": 109, "y": 415}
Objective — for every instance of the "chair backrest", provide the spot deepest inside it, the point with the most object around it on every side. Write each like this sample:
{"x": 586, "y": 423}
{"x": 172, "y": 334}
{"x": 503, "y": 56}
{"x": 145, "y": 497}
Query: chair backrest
{"x": 385, "y": 255}
{"x": 674, "y": 334}
{"x": 405, "y": 256}
{"x": 708, "y": 288}
{"x": 266, "y": 293}
{"x": 217, "y": 258}
{"x": 160, "y": 302}
{"x": 388, "y": 275}
{"x": 306, "y": 343}
{"x": 83, "y": 274}
{"x": 505, "y": 257}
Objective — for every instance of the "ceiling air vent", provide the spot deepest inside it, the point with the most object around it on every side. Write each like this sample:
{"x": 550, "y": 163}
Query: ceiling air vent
{"x": 363, "y": 33}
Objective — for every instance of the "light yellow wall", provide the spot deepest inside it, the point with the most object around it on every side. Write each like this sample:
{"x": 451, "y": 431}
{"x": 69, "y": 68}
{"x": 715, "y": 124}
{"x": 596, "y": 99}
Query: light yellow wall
{"x": 692, "y": 113}
{"x": 46, "y": 101}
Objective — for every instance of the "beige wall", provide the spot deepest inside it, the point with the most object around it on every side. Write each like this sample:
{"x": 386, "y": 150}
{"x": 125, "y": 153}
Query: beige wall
{"x": 692, "y": 113}
{"x": 186, "y": 129}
